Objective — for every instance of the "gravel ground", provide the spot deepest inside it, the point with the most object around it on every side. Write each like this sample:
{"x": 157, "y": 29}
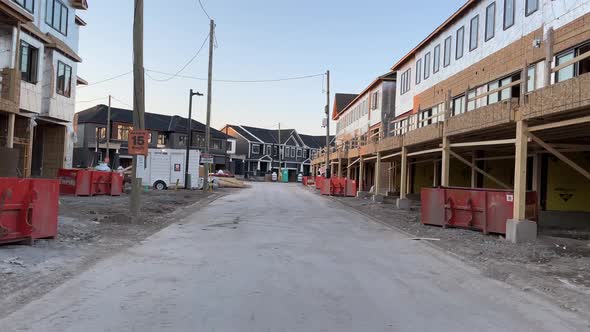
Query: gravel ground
{"x": 557, "y": 266}
{"x": 90, "y": 228}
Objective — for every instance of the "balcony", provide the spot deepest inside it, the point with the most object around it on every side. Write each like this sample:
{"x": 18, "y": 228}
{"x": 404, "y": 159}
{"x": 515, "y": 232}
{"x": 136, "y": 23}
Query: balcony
{"x": 425, "y": 134}
{"x": 482, "y": 118}
{"x": 559, "y": 98}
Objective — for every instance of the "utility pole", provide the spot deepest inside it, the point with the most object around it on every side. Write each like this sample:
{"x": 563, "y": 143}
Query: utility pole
{"x": 189, "y": 141}
{"x": 138, "y": 101}
{"x": 209, "y": 81}
{"x": 328, "y": 175}
{"x": 108, "y": 158}
{"x": 280, "y": 175}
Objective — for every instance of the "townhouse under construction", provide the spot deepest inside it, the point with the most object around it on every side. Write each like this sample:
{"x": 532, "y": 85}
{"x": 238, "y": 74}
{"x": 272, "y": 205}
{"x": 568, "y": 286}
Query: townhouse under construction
{"x": 498, "y": 96}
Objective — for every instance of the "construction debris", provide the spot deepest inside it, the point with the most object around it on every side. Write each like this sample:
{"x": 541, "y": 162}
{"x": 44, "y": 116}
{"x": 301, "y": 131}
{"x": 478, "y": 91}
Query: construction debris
{"x": 229, "y": 183}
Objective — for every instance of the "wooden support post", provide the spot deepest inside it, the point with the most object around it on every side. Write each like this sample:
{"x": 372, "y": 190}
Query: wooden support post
{"x": 361, "y": 179}
{"x": 377, "y": 174}
{"x": 348, "y": 170}
{"x": 339, "y": 167}
{"x": 10, "y": 137}
{"x": 537, "y": 177}
{"x": 404, "y": 174}
{"x": 435, "y": 174}
{"x": 520, "y": 169}
{"x": 446, "y": 162}
{"x": 473, "y": 171}
{"x": 548, "y": 57}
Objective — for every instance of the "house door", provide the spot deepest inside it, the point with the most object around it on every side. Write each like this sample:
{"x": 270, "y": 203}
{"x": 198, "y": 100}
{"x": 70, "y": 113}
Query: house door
{"x": 177, "y": 169}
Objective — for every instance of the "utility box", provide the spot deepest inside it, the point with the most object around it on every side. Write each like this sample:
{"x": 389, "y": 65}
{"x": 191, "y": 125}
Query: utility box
{"x": 164, "y": 168}
{"x": 486, "y": 210}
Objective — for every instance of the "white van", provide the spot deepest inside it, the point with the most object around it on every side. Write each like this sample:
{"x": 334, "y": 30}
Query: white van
{"x": 165, "y": 168}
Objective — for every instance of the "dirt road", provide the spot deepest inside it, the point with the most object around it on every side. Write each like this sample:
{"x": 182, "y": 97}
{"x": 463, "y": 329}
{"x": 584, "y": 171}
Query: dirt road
{"x": 279, "y": 258}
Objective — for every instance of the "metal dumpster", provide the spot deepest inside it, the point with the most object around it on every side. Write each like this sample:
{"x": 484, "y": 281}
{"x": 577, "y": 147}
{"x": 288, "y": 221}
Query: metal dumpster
{"x": 338, "y": 186}
{"x": 486, "y": 210}
{"x": 75, "y": 182}
{"x": 326, "y": 187}
{"x": 351, "y": 188}
{"x": 318, "y": 182}
{"x": 28, "y": 209}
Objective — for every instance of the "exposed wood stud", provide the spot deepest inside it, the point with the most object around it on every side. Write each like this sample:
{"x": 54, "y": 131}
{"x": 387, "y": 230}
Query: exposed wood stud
{"x": 404, "y": 174}
{"x": 520, "y": 169}
{"x": 446, "y": 162}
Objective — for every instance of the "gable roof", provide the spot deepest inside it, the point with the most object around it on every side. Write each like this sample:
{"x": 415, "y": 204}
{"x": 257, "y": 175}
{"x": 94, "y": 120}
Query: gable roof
{"x": 341, "y": 100}
{"x": 153, "y": 121}
{"x": 315, "y": 142}
{"x": 271, "y": 136}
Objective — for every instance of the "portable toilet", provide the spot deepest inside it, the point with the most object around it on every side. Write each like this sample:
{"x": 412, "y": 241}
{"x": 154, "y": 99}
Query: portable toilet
{"x": 285, "y": 175}
{"x": 274, "y": 176}
{"x": 300, "y": 178}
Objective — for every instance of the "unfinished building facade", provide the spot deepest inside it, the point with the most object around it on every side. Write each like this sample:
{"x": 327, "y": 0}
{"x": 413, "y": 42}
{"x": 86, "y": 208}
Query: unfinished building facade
{"x": 498, "y": 96}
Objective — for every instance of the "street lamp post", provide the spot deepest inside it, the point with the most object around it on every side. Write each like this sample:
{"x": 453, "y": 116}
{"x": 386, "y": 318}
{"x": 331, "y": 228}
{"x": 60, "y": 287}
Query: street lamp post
{"x": 189, "y": 141}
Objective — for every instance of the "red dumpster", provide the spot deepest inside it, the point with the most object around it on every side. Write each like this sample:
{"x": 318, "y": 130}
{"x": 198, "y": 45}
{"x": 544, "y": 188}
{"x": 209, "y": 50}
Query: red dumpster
{"x": 318, "y": 182}
{"x": 101, "y": 183}
{"x": 486, "y": 210}
{"x": 351, "y": 188}
{"x": 75, "y": 182}
{"x": 28, "y": 209}
{"x": 116, "y": 184}
{"x": 326, "y": 187}
{"x": 338, "y": 186}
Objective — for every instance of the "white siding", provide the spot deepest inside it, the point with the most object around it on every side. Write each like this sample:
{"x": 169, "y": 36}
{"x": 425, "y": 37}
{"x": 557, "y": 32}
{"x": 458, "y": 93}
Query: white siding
{"x": 551, "y": 13}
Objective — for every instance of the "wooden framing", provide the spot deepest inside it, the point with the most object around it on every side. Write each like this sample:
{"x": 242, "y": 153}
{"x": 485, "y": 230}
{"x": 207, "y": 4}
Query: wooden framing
{"x": 446, "y": 162}
{"x": 377, "y": 174}
{"x": 559, "y": 155}
{"x": 361, "y": 174}
{"x": 10, "y": 136}
{"x": 404, "y": 174}
{"x": 424, "y": 152}
{"x": 479, "y": 170}
{"x": 575, "y": 60}
{"x": 500, "y": 89}
{"x": 520, "y": 169}
{"x": 564, "y": 123}
{"x": 482, "y": 143}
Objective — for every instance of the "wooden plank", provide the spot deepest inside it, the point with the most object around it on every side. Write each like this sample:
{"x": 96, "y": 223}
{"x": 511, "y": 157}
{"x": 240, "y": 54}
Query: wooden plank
{"x": 424, "y": 152}
{"x": 564, "y": 123}
{"x": 404, "y": 174}
{"x": 571, "y": 62}
{"x": 354, "y": 162}
{"x": 10, "y": 137}
{"x": 377, "y": 175}
{"x": 392, "y": 155}
{"x": 559, "y": 155}
{"x": 479, "y": 170}
{"x": 520, "y": 170}
{"x": 446, "y": 163}
{"x": 494, "y": 91}
{"x": 482, "y": 143}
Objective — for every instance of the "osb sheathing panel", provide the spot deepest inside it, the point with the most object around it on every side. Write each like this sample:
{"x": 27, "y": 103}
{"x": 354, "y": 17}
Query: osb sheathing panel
{"x": 482, "y": 118}
{"x": 354, "y": 153}
{"x": 424, "y": 134}
{"x": 368, "y": 149}
{"x": 561, "y": 97}
{"x": 390, "y": 143}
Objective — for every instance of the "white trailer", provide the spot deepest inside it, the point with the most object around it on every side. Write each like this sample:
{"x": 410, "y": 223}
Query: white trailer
{"x": 164, "y": 168}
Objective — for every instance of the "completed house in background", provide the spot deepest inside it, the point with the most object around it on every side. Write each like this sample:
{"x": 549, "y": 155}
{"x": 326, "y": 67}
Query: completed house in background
{"x": 38, "y": 66}
{"x": 260, "y": 151}
{"x": 166, "y": 132}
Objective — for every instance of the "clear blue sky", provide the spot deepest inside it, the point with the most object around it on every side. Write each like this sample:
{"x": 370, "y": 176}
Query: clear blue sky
{"x": 257, "y": 39}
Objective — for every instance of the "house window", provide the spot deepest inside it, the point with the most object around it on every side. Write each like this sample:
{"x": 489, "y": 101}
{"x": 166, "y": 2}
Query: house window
{"x": 299, "y": 153}
{"x": 427, "y": 114}
{"x": 56, "y": 16}
{"x": 459, "y": 105}
{"x": 471, "y": 100}
{"x": 64, "y": 79}
{"x": 286, "y": 151}
{"x": 447, "y": 57}
{"x": 531, "y": 6}
{"x": 508, "y": 13}
{"x": 182, "y": 140}
{"x": 29, "y": 5}
{"x": 230, "y": 146}
{"x": 275, "y": 150}
{"x": 427, "y": 66}
{"x": 375, "y": 100}
{"x": 150, "y": 137}
{"x": 490, "y": 21}
{"x": 493, "y": 98}
{"x": 123, "y": 132}
{"x": 306, "y": 153}
{"x": 269, "y": 149}
{"x": 506, "y": 93}
{"x": 255, "y": 149}
{"x": 474, "y": 33}
{"x": 161, "y": 139}
{"x": 567, "y": 72}
{"x": 436, "y": 60}
{"x": 101, "y": 133}
{"x": 406, "y": 77}
{"x": 460, "y": 43}
{"x": 531, "y": 78}
{"x": 217, "y": 144}
{"x": 292, "y": 152}
{"x": 29, "y": 59}
{"x": 418, "y": 71}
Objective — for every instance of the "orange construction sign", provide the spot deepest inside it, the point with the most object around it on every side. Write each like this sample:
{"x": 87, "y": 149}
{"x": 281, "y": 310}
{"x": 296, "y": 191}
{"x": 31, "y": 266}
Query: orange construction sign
{"x": 138, "y": 142}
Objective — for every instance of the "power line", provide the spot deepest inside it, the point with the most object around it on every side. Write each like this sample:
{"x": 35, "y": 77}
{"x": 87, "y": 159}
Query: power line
{"x": 90, "y": 101}
{"x": 203, "y": 8}
{"x": 183, "y": 67}
{"x": 241, "y": 81}
{"x": 122, "y": 102}
{"x": 107, "y": 80}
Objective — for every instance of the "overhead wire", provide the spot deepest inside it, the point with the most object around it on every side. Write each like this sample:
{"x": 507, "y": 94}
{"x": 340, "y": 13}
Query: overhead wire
{"x": 183, "y": 67}
{"x": 107, "y": 79}
{"x": 203, "y": 8}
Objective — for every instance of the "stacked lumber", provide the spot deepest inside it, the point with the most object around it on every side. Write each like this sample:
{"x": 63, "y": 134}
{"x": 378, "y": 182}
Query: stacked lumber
{"x": 230, "y": 183}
